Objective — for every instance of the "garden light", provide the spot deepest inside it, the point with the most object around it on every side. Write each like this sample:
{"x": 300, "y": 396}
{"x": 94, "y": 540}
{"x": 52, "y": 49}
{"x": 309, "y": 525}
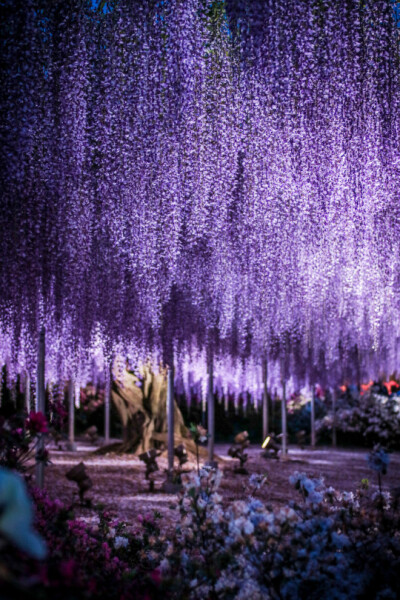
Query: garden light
{"x": 266, "y": 442}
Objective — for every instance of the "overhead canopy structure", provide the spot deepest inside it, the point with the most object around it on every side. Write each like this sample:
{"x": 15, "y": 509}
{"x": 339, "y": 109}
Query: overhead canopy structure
{"x": 196, "y": 174}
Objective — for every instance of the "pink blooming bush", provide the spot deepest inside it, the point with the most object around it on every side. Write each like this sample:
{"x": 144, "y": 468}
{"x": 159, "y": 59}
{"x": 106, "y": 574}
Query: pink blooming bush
{"x": 84, "y": 561}
{"x": 19, "y": 440}
{"x": 36, "y": 423}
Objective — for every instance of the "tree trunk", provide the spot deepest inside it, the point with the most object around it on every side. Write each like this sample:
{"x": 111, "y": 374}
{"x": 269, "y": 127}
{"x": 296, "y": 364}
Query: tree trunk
{"x": 141, "y": 403}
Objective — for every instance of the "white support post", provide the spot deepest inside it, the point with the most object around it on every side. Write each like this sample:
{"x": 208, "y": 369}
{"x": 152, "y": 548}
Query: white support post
{"x": 211, "y": 411}
{"x": 107, "y": 403}
{"x": 313, "y": 437}
{"x": 283, "y": 410}
{"x": 284, "y": 420}
{"x": 27, "y": 393}
{"x": 170, "y": 418}
{"x": 334, "y": 441}
{"x": 265, "y": 407}
{"x": 71, "y": 416}
{"x": 40, "y": 403}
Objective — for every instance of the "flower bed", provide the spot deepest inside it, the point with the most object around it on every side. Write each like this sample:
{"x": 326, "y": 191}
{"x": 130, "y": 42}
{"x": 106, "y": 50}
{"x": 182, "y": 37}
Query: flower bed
{"x": 323, "y": 544}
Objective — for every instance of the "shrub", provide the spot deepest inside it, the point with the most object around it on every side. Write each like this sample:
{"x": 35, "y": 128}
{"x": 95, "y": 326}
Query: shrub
{"x": 372, "y": 419}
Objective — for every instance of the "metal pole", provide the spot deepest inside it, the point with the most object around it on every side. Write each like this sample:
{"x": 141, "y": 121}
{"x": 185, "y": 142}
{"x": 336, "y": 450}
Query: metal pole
{"x": 71, "y": 416}
{"x": 211, "y": 411}
{"x": 27, "y": 393}
{"x": 40, "y": 402}
{"x": 313, "y": 417}
{"x": 107, "y": 402}
{"x": 334, "y": 418}
{"x": 265, "y": 406}
{"x": 170, "y": 418}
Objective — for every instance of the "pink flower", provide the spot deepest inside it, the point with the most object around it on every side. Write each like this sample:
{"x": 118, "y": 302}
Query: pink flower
{"x": 156, "y": 576}
{"x": 36, "y": 422}
{"x": 67, "y": 568}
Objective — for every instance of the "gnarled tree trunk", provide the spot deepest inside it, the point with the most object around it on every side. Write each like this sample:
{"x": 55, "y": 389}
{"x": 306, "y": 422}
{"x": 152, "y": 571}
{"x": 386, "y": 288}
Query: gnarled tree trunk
{"x": 142, "y": 406}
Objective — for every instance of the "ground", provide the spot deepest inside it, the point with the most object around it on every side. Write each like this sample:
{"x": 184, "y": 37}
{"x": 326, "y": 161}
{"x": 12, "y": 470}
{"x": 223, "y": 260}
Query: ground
{"x": 119, "y": 484}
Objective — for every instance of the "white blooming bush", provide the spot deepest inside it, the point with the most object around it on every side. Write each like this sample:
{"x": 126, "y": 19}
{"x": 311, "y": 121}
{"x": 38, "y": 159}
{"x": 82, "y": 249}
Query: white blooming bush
{"x": 372, "y": 418}
{"x": 328, "y": 545}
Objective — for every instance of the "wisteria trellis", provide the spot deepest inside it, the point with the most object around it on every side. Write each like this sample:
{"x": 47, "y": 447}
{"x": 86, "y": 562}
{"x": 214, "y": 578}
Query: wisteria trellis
{"x": 200, "y": 174}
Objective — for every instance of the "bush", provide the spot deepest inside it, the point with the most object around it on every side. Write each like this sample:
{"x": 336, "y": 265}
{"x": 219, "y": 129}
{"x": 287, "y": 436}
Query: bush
{"x": 372, "y": 419}
{"x": 324, "y": 544}
{"x": 319, "y": 548}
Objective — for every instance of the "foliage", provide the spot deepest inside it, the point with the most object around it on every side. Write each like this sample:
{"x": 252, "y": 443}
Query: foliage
{"x": 327, "y": 544}
{"x": 371, "y": 418}
{"x": 100, "y": 559}
{"x": 19, "y": 440}
{"x": 318, "y": 549}
{"x": 299, "y": 414}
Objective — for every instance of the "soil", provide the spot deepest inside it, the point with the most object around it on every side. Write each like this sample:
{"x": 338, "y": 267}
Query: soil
{"x": 119, "y": 485}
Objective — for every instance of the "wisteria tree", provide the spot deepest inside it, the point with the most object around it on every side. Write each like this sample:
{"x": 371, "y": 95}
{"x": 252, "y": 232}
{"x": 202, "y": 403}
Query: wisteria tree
{"x": 200, "y": 175}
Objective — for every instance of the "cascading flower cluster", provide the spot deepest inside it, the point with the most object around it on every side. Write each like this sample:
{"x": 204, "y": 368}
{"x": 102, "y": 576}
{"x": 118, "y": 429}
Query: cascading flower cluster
{"x": 200, "y": 174}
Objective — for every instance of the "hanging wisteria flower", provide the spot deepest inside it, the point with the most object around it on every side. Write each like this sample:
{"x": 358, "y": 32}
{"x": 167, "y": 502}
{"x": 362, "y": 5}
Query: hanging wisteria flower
{"x": 203, "y": 160}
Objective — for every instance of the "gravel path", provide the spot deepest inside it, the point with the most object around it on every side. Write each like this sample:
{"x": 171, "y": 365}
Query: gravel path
{"x": 119, "y": 483}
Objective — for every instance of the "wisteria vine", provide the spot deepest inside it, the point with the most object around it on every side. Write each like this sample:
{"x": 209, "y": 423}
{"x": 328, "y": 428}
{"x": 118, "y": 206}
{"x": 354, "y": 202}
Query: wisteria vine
{"x": 196, "y": 174}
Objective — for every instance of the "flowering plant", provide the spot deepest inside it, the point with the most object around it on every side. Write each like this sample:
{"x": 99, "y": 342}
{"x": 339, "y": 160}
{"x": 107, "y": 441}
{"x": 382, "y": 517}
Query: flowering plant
{"x": 311, "y": 550}
{"x": 369, "y": 419}
{"x": 19, "y": 440}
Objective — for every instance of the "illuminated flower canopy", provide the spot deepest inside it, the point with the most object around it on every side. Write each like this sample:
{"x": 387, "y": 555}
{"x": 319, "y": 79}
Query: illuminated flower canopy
{"x": 196, "y": 174}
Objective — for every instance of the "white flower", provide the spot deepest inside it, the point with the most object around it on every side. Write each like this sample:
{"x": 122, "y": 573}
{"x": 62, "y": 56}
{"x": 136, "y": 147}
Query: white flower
{"x": 201, "y": 503}
{"x": 16, "y": 515}
{"x": 165, "y": 567}
{"x": 251, "y": 589}
{"x": 121, "y": 542}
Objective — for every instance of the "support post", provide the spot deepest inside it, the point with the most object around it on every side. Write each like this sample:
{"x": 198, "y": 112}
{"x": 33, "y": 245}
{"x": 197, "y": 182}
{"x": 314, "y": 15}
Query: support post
{"x": 284, "y": 420}
{"x": 170, "y": 418}
{"x": 211, "y": 411}
{"x": 334, "y": 441}
{"x": 313, "y": 437}
{"x": 107, "y": 402}
{"x": 265, "y": 407}
{"x": 203, "y": 410}
{"x": 71, "y": 416}
{"x": 27, "y": 393}
{"x": 40, "y": 403}
{"x": 283, "y": 410}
